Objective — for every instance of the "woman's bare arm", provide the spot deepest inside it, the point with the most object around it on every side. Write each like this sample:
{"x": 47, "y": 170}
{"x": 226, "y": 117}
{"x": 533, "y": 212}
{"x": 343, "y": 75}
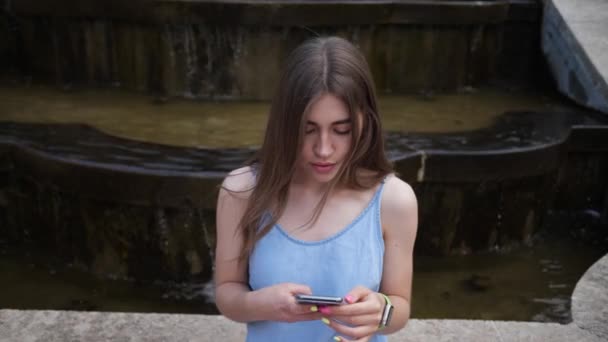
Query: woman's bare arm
{"x": 400, "y": 224}
{"x": 232, "y": 294}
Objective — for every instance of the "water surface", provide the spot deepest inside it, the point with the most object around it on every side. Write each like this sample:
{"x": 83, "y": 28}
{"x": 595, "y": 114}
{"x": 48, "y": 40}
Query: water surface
{"x": 182, "y": 122}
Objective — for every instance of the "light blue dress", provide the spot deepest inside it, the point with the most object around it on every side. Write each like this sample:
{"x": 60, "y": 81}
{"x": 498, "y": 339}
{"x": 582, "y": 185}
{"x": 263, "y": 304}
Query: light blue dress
{"x": 332, "y": 267}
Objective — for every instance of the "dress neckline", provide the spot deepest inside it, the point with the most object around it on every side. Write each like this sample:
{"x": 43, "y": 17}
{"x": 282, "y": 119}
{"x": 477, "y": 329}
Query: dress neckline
{"x": 342, "y": 231}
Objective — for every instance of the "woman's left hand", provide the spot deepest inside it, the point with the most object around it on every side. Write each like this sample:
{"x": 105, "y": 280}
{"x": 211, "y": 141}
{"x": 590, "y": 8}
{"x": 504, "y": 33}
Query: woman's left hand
{"x": 359, "y": 318}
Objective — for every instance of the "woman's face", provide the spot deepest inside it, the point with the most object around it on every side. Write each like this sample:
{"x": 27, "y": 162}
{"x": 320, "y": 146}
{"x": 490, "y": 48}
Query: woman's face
{"x": 327, "y": 139}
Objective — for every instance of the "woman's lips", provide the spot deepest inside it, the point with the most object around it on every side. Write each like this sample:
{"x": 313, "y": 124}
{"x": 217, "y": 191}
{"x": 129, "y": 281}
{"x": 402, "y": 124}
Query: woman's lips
{"x": 323, "y": 168}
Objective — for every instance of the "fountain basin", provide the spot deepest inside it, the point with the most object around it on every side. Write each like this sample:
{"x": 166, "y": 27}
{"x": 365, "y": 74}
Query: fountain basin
{"x": 124, "y": 207}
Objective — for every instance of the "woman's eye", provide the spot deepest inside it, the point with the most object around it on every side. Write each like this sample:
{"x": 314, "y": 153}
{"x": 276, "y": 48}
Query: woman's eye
{"x": 309, "y": 131}
{"x": 342, "y": 129}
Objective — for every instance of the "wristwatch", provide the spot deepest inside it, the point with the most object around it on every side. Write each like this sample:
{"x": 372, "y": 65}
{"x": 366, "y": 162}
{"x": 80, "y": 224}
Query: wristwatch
{"x": 387, "y": 313}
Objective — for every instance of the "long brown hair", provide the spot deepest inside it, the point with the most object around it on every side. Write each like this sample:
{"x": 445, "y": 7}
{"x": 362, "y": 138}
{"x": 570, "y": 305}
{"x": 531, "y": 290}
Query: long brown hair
{"x": 329, "y": 65}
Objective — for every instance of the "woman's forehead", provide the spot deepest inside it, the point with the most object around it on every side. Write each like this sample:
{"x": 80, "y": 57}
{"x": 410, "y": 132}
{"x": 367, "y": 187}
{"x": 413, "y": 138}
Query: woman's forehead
{"x": 328, "y": 108}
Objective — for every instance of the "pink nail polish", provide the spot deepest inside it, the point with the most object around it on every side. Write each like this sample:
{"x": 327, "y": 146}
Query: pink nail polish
{"x": 349, "y": 299}
{"x": 324, "y": 310}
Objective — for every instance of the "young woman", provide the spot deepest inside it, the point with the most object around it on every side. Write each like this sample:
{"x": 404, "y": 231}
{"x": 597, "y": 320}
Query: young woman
{"x": 318, "y": 211}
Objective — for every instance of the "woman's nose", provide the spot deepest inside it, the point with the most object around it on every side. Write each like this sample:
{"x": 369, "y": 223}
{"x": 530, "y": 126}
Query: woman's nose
{"x": 324, "y": 147}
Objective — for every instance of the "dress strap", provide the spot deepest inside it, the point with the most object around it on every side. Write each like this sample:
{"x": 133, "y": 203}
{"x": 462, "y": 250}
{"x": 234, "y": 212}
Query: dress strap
{"x": 254, "y": 170}
{"x": 378, "y": 194}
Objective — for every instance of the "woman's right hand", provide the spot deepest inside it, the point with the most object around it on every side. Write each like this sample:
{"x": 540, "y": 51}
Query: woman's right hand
{"x": 278, "y": 303}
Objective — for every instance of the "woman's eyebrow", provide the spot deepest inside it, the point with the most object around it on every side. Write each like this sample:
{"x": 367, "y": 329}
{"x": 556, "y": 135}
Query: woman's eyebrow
{"x": 339, "y": 122}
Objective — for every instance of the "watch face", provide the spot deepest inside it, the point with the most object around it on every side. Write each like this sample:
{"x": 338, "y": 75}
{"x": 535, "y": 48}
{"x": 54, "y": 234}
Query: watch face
{"x": 387, "y": 314}
{"x": 390, "y": 314}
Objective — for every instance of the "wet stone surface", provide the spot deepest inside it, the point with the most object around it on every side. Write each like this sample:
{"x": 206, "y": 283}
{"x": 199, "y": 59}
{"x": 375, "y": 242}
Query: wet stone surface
{"x": 80, "y": 144}
{"x": 88, "y": 146}
{"x": 230, "y": 49}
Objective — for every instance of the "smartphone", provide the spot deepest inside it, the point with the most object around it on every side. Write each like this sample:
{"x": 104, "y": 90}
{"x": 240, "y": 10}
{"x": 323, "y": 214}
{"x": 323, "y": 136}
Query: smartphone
{"x": 318, "y": 300}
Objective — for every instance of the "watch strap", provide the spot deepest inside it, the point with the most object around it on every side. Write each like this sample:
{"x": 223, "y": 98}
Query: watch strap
{"x": 386, "y": 298}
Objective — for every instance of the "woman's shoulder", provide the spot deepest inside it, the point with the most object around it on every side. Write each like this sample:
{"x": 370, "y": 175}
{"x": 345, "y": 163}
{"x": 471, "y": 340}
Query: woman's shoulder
{"x": 398, "y": 200}
{"x": 240, "y": 182}
{"x": 397, "y": 191}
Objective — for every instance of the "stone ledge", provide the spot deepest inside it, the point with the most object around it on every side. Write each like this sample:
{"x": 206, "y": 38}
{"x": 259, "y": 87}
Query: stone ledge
{"x": 49, "y": 326}
{"x": 590, "y": 300}
{"x": 574, "y": 44}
